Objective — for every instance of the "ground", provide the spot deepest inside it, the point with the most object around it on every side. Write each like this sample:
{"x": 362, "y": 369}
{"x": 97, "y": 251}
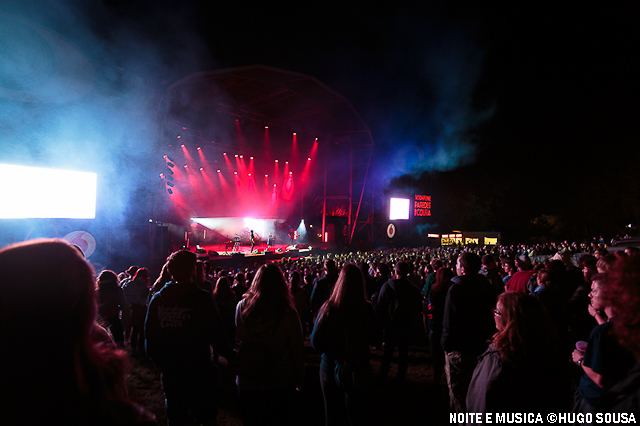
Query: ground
{"x": 417, "y": 402}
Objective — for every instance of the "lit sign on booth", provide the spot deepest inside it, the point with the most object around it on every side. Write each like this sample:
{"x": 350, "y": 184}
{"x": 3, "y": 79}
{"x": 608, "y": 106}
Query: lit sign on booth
{"x": 450, "y": 239}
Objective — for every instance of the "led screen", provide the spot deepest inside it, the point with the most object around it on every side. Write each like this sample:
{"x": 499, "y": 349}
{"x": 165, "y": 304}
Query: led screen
{"x": 32, "y": 192}
{"x": 399, "y": 208}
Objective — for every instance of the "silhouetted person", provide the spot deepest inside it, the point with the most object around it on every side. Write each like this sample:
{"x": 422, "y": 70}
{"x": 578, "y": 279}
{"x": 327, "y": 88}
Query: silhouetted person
{"x": 54, "y": 371}
{"x": 323, "y": 287}
{"x": 399, "y": 308}
{"x": 182, "y": 326}
{"x": 467, "y": 326}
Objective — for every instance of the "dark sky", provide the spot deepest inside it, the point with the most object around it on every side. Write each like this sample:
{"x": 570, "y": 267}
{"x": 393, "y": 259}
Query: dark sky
{"x": 508, "y": 110}
{"x": 526, "y": 108}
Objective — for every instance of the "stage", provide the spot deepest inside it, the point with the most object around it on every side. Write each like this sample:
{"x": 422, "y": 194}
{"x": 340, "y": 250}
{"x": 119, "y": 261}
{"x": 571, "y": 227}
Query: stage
{"x": 226, "y": 255}
{"x": 229, "y": 248}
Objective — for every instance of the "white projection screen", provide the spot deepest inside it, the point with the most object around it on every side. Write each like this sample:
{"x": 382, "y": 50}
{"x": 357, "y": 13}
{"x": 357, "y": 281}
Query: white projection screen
{"x": 399, "y": 208}
{"x": 33, "y": 192}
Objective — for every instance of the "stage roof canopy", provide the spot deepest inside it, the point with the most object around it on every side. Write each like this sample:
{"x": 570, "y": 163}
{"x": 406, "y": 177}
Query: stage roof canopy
{"x": 268, "y": 96}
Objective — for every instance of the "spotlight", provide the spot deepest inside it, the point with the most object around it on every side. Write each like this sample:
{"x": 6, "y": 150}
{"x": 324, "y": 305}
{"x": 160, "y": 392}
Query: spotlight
{"x": 170, "y": 164}
{"x": 276, "y": 161}
{"x": 250, "y": 158}
{"x": 294, "y": 133}
{"x": 169, "y": 191}
{"x": 186, "y": 167}
{"x": 266, "y": 127}
{"x": 170, "y": 184}
{"x": 235, "y": 173}
{"x": 309, "y": 159}
{"x": 218, "y": 170}
{"x": 236, "y": 155}
{"x": 241, "y": 156}
{"x": 199, "y": 149}
{"x": 161, "y": 175}
{"x": 182, "y": 146}
{"x": 201, "y": 168}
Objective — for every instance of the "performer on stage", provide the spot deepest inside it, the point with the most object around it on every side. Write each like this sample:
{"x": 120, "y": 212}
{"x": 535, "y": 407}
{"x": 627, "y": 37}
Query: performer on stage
{"x": 252, "y": 238}
{"x": 270, "y": 240}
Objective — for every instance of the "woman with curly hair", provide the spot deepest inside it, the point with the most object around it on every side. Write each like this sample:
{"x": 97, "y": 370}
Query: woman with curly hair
{"x": 604, "y": 362}
{"x": 271, "y": 350}
{"x": 54, "y": 371}
{"x": 623, "y": 295}
{"x": 522, "y": 369}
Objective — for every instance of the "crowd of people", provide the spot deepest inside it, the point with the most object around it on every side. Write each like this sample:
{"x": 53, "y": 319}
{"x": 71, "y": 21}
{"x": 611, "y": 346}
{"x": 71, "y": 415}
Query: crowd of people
{"x": 529, "y": 329}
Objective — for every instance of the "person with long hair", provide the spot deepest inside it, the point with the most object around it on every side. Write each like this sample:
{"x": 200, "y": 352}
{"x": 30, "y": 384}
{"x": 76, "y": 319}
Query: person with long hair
{"x": 271, "y": 350}
{"x": 136, "y": 294}
{"x": 226, "y": 300}
{"x": 436, "y": 299}
{"x": 54, "y": 371}
{"x": 162, "y": 280}
{"x": 301, "y": 300}
{"x": 344, "y": 330}
{"x": 522, "y": 369}
{"x": 110, "y": 304}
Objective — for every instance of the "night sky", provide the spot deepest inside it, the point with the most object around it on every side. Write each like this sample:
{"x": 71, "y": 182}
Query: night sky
{"x": 505, "y": 112}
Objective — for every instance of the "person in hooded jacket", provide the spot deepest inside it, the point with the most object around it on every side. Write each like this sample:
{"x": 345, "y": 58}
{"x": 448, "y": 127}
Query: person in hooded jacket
{"x": 399, "y": 308}
{"x": 467, "y": 326}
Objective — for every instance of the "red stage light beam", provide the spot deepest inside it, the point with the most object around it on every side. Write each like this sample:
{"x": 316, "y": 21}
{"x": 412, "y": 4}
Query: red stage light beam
{"x": 267, "y": 141}
{"x": 186, "y": 154}
{"x": 294, "y": 146}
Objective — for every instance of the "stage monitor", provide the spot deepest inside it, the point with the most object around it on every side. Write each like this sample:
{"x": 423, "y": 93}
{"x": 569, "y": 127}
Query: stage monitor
{"x": 33, "y": 192}
{"x": 399, "y": 208}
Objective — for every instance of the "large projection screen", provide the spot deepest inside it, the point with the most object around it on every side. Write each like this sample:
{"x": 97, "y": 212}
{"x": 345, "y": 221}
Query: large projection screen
{"x": 33, "y": 192}
{"x": 399, "y": 208}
